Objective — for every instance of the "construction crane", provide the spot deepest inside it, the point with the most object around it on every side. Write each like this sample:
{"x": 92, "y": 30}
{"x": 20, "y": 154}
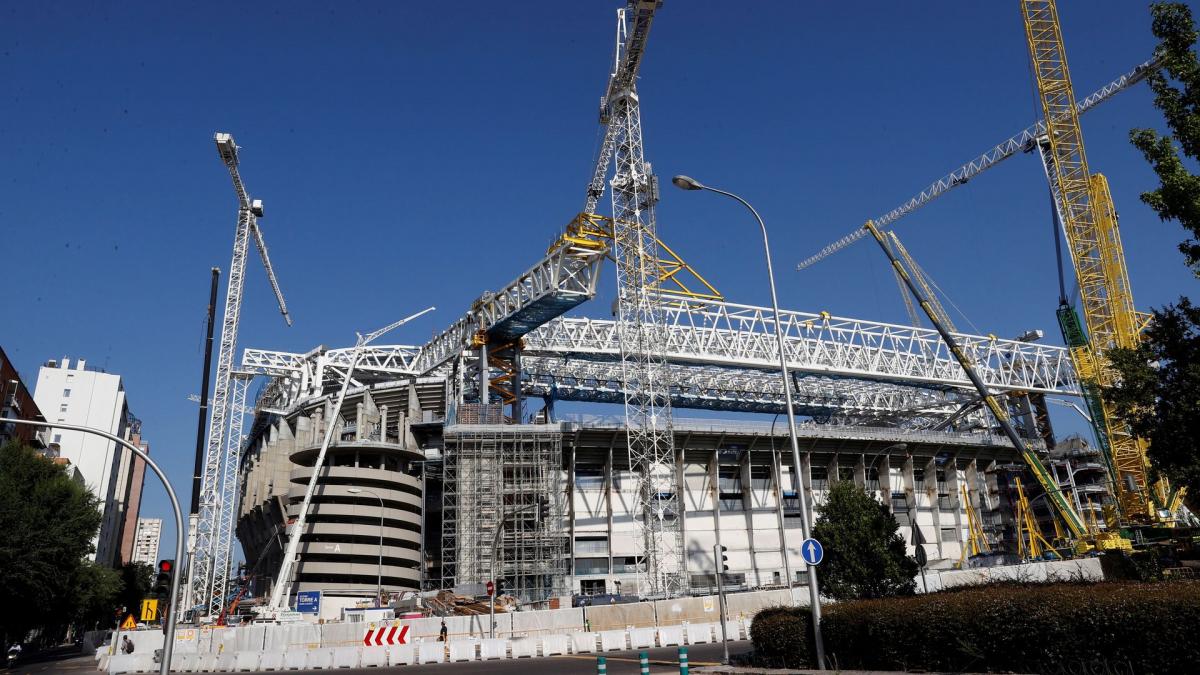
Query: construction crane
{"x": 1025, "y": 141}
{"x": 636, "y": 251}
{"x": 209, "y": 560}
{"x": 1089, "y": 223}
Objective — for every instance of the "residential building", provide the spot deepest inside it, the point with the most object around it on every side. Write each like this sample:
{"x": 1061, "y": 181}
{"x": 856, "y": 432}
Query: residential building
{"x": 17, "y": 403}
{"x": 78, "y": 395}
{"x": 146, "y": 541}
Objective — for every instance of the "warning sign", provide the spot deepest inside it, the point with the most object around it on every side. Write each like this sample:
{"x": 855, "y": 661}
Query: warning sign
{"x": 128, "y": 623}
{"x": 150, "y": 609}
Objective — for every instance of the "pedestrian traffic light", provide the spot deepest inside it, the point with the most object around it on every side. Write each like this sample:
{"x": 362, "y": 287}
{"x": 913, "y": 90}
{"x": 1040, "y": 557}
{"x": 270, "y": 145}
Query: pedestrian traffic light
{"x": 723, "y": 563}
{"x": 543, "y": 508}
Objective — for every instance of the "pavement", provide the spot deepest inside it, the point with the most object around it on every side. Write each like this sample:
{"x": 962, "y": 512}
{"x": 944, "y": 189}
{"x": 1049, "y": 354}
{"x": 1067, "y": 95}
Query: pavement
{"x": 662, "y": 660}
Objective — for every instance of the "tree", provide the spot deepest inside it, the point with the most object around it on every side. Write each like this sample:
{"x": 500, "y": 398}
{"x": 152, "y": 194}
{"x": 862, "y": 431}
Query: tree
{"x": 137, "y": 580}
{"x": 47, "y": 521}
{"x": 1159, "y": 381}
{"x": 864, "y": 553}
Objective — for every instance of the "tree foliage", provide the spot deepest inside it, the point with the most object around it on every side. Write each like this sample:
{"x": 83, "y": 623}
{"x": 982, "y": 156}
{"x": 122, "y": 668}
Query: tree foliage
{"x": 47, "y": 521}
{"x": 864, "y": 554}
{"x": 1158, "y": 394}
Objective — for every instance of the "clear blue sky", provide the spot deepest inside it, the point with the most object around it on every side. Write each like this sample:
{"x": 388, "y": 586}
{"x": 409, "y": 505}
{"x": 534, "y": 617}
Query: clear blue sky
{"x": 415, "y": 154}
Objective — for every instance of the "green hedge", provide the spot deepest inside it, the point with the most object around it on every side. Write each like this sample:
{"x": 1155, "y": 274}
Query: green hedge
{"x": 1051, "y": 628}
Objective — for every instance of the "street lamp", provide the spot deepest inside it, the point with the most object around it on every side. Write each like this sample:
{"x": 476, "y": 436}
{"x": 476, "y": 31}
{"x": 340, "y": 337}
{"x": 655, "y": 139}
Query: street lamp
{"x": 888, "y": 451}
{"x": 379, "y": 575}
{"x": 688, "y": 183}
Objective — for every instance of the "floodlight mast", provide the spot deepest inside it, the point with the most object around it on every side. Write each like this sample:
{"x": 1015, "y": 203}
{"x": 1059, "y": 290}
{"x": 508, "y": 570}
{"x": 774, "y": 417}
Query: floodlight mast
{"x": 283, "y": 583}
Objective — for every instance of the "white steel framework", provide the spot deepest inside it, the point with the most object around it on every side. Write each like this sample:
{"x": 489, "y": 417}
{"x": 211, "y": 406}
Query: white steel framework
{"x": 639, "y": 315}
{"x": 207, "y": 572}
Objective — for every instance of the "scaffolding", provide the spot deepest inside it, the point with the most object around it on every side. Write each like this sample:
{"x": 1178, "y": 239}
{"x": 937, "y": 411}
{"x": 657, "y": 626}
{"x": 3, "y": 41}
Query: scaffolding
{"x": 491, "y": 471}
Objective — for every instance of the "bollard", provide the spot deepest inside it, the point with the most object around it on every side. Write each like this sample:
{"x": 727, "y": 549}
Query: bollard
{"x": 601, "y": 666}
{"x": 644, "y": 660}
{"x": 683, "y": 664}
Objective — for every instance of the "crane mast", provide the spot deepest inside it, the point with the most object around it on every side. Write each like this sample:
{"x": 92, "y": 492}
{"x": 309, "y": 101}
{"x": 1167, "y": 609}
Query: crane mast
{"x": 208, "y": 569}
{"x": 662, "y": 569}
{"x": 1089, "y": 224}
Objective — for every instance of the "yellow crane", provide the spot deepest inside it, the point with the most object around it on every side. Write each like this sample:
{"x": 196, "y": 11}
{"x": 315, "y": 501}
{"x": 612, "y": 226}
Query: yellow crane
{"x": 1089, "y": 223}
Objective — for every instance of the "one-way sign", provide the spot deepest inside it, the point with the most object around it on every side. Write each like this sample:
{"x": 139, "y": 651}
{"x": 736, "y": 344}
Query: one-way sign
{"x": 812, "y": 551}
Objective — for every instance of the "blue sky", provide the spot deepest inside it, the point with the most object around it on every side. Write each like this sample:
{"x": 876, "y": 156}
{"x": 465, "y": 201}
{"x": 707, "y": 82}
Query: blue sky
{"x": 416, "y": 154}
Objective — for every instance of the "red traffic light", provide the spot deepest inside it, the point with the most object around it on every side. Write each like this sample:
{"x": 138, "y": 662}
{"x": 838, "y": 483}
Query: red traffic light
{"x": 165, "y": 565}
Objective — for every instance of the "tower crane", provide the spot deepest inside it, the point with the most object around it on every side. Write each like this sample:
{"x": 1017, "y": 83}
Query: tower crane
{"x": 641, "y": 324}
{"x": 1089, "y": 223}
{"x": 208, "y": 568}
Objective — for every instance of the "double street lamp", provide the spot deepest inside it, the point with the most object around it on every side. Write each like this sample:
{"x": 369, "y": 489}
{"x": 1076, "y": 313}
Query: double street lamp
{"x": 379, "y": 573}
{"x": 687, "y": 183}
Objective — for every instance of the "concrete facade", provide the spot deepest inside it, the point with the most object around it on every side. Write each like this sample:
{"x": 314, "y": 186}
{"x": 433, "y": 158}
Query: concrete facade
{"x": 74, "y": 394}
{"x": 17, "y": 403}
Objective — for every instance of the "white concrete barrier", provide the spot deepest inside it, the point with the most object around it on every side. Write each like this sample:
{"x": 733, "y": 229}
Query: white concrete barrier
{"x": 490, "y": 649}
{"x": 431, "y": 652}
{"x": 583, "y": 643}
{"x": 345, "y": 657}
{"x": 131, "y": 663}
{"x": 295, "y": 659}
{"x": 554, "y": 644}
{"x": 187, "y": 663}
{"x": 208, "y": 663}
{"x": 670, "y": 636}
{"x": 522, "y": 647}
{"x": 699, "y": 633}
{"x": 373, "y": 656}
{"x": 462, "y": 650}
{"x": 402, "y": 655}
{"x": 612, "y": 640}
{"x": 732, "y": 629}
{"x": 641, "y": 637}
{"x": 225, "y": 661}
{"x": 319, "y": 658}
{"x": 246, "y": 661}
{"x": 271, "y": 661}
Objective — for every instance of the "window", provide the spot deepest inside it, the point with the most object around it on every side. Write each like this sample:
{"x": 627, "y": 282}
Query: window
{"x": 66, "y": 393}
{"x": 57, "y": 438}
{"x": 591, "y": 566}
{"x": 760, "y": 478}
{"x": 591, "y": 586}
{"x": 62, "y": 408}
{"x": 625, "y": 564}
{"x": 919, "y": 480}
{"x": 950, "y": 534}
{"x": 775, "y": 577}
{"x": 591, "y": 545}
{"x": 819, "y": 477}
{"x": 729, "y": 487}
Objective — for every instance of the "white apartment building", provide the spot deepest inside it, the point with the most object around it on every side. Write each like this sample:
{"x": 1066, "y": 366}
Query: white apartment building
{"x": 73, "y": 394}
{"x": 146, "y": 541}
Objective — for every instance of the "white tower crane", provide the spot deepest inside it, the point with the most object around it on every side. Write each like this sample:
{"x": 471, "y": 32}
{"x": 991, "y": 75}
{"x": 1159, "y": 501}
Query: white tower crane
{"x": 640, "y": 319}
{"x": 208, "y": 568}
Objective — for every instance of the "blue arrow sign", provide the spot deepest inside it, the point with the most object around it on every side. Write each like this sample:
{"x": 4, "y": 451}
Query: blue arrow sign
{"x": 812, "y": 551}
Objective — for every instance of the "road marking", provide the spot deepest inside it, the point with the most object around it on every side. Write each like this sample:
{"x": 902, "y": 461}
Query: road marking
{"x": 653, "y": 662}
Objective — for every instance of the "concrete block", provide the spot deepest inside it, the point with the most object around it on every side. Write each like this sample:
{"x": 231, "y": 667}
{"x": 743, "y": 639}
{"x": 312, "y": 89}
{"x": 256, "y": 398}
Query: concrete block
{"x": 102, "y": 661}
{"x": 732, "y": 629}
{"x": 462, "y": 650}
{"x": 373, "y": 656}
{"x": 583, "y": 643}
{"x": 271, "y": 661}
{"x": 402, "y": 655}
{"x": 493, "y": 649}
{"x": 431, "y": 652}
{"x": 699, "y": 633}
{"x": 345, "y": 657}
{"x": 131, "y": 663}
{"x": 319, "y": 659}
{"x": 554, "y": 644}
{"x": 522, "y": 647}
{"x": 208, "y": 663}
{"x": 641, "y": 637}
{"x": 225, "y": 662}
{"x": 295, "y": 659}
{"x": 246, "y": 661}
{"x": 612, "y": 640}
{"x": 186, "y": 663}
{"x": 670, "y": 636}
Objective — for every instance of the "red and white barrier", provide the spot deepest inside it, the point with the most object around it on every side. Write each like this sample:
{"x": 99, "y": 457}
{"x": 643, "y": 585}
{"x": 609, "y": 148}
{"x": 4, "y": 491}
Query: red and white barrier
{"x": 394, "y": 634}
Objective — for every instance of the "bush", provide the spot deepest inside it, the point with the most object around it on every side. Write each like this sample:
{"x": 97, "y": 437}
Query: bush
{"x": 1050, "y": 628}
{"x": 781, "y": 637}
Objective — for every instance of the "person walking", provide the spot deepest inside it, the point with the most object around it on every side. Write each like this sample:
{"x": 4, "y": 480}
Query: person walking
{"x": 126, "y": 645}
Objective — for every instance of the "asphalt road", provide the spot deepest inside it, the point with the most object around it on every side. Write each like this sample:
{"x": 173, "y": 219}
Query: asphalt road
{"x": 662, "y": 660}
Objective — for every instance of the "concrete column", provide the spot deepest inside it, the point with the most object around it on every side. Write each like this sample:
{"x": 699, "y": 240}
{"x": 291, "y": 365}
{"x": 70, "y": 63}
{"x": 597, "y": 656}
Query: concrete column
{"x": 608, "y": 497}
{"x": 714, "y": 483}
{"x": 484, "y": 395}
{"x": 777, "y": 480}
{"x": 884, "y": 468}
{"x": 860, "y": 472}
{"x": 748, "y": 509}
{"x": 359, "y": 421}
{"x": 681, "y": 491}
{"x": 383, "y": 423}
{"x": 833, "y": 472}
{"x": 935, "y": 507}
{"x": 517, "y": 404}
{"x": 571, "y": 519}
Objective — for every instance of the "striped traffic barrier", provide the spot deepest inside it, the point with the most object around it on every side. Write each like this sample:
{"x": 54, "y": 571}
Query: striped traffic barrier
{"x": 601, "y": 666}
{"x": 644, "y": 661}
{"x": 683, "y": 661}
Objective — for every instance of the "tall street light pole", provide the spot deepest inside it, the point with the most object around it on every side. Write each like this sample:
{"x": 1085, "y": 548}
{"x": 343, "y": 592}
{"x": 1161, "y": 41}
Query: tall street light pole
{"x": 814, "y": 597}
{"x": 379, "y": 574}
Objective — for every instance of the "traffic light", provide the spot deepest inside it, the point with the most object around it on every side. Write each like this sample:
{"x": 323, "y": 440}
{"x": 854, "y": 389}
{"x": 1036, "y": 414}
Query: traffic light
{"x": 723, "y": 563}
{"x": 162, "y": 588}
{"x": 543, "y": 508}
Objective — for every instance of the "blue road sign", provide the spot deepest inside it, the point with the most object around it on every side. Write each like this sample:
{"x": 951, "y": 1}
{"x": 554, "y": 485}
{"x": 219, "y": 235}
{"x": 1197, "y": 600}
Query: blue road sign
{"x": 812, "y": 551}
{"x": 308, "y": 602}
